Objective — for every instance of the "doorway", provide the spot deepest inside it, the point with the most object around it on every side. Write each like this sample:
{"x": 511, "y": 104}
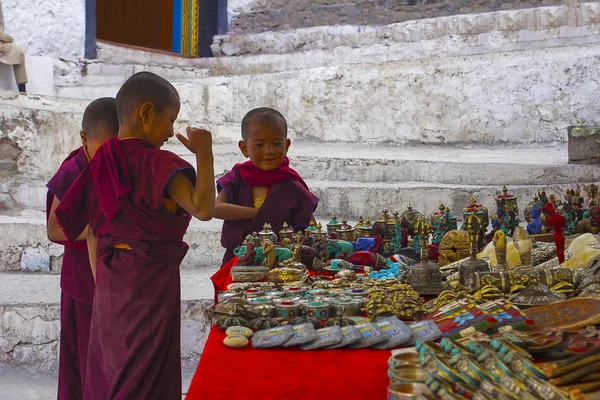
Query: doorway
{"x": 183, "y": 27}
{"x": 144, "y": 23}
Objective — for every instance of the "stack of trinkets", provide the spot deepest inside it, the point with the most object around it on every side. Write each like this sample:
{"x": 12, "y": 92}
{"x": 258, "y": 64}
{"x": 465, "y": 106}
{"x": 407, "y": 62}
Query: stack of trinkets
{"x": 366, "y": 286}
{"x": 550, "y": 364}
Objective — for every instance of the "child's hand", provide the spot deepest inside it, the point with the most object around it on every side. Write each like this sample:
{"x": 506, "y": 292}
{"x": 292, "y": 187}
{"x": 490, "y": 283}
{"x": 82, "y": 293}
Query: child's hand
{"x": 198, "y": 140}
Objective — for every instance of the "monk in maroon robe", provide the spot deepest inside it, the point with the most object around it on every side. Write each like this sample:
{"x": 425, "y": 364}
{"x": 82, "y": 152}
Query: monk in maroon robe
{"x": 139, "y": 200}
{"x": 100, "y": 123}
{"x": 262, "y": 190}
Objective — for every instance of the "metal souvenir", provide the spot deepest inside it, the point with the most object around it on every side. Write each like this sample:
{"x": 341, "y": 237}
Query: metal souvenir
{"x": 473, "y": 264}
{"x": 536, "y": 295}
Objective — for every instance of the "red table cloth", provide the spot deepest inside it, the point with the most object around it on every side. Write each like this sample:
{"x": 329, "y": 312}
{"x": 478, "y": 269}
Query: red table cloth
{"x": 289, "y": 374}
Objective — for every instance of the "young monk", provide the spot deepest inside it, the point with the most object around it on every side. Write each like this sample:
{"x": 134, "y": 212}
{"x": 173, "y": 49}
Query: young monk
{"x": 139, "y": 200}
{"x": 264, "y": 189}
{"x": 100, "y": 124}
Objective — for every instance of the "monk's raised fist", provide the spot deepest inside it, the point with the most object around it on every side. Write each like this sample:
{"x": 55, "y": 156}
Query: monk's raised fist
{"x": 197, "y": 141}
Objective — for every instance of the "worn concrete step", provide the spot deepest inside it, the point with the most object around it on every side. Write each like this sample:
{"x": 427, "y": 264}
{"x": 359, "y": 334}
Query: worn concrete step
{"x": 470, "y": 30}
{"x": 458, "y": 99}
{"x": 498, "y": 165}
{"x": 354, "y": 199}
{"x": 271, "y": 52}
{"x": 453, "y": 165}
{"x": 30, "y": 319}
{"x": 26, "y": 245}
{"x": 94, "y": 73}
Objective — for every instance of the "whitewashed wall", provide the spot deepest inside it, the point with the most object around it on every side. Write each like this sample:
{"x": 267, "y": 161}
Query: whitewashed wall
{"x": 54, "y": 28}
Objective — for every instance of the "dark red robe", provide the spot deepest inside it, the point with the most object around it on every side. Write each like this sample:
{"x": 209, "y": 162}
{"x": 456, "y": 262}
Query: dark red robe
{"x": 134, "y": 349}
{"x": 77, "y": 284}
{"x": 288, "y": 201}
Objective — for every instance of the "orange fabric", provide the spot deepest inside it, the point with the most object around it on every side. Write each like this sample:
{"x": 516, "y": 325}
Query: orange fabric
{"x": 170, "y": 204}
{"x": 123, "y": 246}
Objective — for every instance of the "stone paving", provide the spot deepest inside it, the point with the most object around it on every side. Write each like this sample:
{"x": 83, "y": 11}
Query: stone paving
{"x": 16, "y": 384}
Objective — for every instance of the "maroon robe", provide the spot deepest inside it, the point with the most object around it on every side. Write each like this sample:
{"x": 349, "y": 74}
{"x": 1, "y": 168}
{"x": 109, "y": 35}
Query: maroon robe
{"x": 288, "y": 201}
{"x": 77, "y": 284}
{"x": 134, "y": 349}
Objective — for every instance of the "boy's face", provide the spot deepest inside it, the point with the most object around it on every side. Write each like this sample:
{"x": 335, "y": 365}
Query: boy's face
{"x": 158, "y": 126}
{"x": 93, "y": 142}
{"x": 266, "y": 145}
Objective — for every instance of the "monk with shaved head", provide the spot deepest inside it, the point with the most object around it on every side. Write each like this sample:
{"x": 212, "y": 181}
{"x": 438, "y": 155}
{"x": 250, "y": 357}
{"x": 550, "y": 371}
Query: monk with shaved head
{"x": 99, "y": 124}
{"x": 138, "y": 201}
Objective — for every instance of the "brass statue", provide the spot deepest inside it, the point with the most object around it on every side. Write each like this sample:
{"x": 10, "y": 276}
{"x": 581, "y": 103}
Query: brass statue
{"x": 297, "y": 247}
{"x": 500, "y": 247}
{"x": 268, "y": 249}
{"x": 473, "y": 264}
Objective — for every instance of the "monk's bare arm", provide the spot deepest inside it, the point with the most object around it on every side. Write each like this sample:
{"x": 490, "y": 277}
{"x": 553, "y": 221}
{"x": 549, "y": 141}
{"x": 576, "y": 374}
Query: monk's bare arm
{"x": 197, "y": 200}
{"x": 54, "y": 232}
{"x": 181, "y": 190}
{"x": 92, "y": 244}
{"x": 232, "y": 212}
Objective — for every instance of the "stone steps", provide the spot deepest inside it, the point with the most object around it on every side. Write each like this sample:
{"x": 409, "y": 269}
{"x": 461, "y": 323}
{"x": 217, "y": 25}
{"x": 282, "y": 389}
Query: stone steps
{"x": 27, "y": 248}
{"x": 515, "y": 97}
{"x": 449, "y": 165}
{"x": 368, "y": 199}
{"x": 471, "y": 30}
{"x": 284, "y": 15}
{"x": 30, "y": 323}
{"x": 330, "y": 168}
{"x": 517, "y": 76}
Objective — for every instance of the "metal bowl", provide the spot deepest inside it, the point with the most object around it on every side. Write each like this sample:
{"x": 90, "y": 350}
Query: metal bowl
{"x": 403, "y": 359}
{"x": 407, "y": 374}
{"x": 406, "y": 391}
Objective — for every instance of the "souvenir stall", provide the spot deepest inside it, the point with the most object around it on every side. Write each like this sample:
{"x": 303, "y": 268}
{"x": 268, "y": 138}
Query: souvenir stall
{"x": 411, "y": 306}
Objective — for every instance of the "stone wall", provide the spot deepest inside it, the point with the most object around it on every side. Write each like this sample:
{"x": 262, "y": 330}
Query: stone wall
{"x": 278, "y": 15}
{"x": 54, "y": 28}
{"x": 486, "y": 32}
{"x": 31, "y": 333}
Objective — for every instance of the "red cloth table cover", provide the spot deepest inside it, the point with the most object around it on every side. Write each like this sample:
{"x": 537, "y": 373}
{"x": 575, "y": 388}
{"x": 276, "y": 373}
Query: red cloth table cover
{"x": 290, "y": 374}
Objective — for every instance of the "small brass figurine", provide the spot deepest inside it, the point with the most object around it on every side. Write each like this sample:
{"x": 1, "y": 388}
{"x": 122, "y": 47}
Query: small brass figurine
{"x": 500, "y": 246}
{"x": 522, "y": 242}
{"x": 255, "y": 239}
{"x": 287, "y": 243}
{"x": 422, "y": 229}
{"x": 268, "y": 249}
{"x": 297, "y": 247}
{"x": 473, "y": 264}
{"x": 248, "y": 258}
{"x": 411, "y": 215}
